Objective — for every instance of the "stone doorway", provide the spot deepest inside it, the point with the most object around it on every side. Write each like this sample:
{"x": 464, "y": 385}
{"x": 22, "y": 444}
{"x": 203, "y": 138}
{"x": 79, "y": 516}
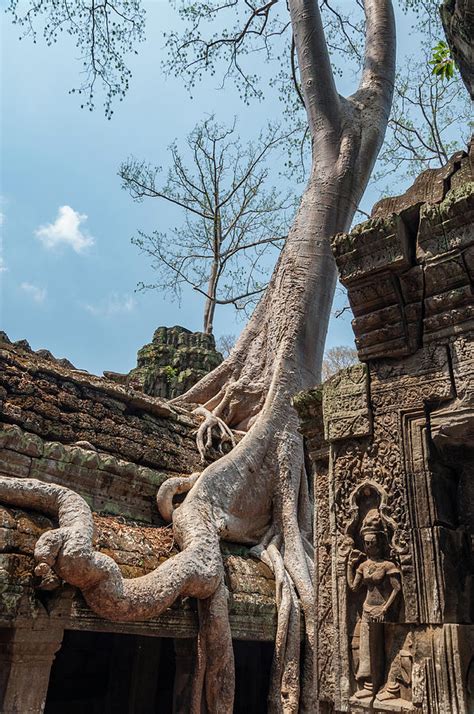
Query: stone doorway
{"x": 108, "y": 673}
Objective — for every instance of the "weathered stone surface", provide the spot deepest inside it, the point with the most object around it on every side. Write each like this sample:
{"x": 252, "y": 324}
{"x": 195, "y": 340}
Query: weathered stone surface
{"x": 394, "y": 492}
{"x": 409, "y": 274}
{"x": 108, "y": 484}
{"x": 377, "y": 244}
{"x": 65, "y": 406}
{"x": 26, "y": 656}
{"x": 172, "y": 363}
{"x": 309, "y": 406}
{"x": 430, "y": 187}
{"x": 447, "y": 225}
{"x": 24, "y": 346}
{"x": 345, "y": 404}
{"x": 462, "y": 357}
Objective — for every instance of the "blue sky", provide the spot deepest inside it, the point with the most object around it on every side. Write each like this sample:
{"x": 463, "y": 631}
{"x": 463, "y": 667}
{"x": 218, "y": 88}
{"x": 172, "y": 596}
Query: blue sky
{"x": 69, "y": 271}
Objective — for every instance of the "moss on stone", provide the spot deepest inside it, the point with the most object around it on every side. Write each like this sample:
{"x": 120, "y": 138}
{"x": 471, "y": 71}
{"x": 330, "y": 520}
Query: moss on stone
{"x": 174, "y": 361}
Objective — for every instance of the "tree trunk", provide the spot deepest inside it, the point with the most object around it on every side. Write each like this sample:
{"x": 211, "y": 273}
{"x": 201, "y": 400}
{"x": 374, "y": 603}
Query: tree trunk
{"x": 210, "y": 304}
{"x": 458, "y": 20}
{"x": 258, "y": 493}
{"x": 209, "y": 309}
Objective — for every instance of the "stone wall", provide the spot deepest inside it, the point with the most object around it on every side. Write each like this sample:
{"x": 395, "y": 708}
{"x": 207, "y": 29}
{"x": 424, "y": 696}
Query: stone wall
{"x": 66, "y": 405}
{"x": 114, "y": 446}
{"x": 392, "y": 444}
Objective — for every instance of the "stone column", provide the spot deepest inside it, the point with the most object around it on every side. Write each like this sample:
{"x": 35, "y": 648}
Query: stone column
{"x": 26, "y": 656}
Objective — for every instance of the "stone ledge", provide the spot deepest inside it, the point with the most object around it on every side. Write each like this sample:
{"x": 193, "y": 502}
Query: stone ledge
{"x": 108, "y": 484}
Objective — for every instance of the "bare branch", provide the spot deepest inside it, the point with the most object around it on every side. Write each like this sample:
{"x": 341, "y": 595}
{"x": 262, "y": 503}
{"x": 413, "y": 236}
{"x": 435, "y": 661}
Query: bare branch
{"x": 139, "y": 190}
{"x": 340, "y": 313}
{"x": 231, "y": 218}
{"x": 102, "y": 51}
{"x": 343, "y": 23}
{"x": 233, "y": 300}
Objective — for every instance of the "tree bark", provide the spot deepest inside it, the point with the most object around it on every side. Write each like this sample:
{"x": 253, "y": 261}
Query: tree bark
{"x": 458, "y": 22}
{"x": 258, "y": 493}
{"x": 210, "y": 303}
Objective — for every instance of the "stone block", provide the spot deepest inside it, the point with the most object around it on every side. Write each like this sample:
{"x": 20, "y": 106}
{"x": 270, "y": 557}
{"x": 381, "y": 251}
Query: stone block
{"x": 462, "y": 355}
{"x": 370, "y": 295}
{"x": 448, "y": 225}
{"x": 374, "y": 246}
{"x": 445, "y": 273}
{"x": 13, "y": 463}
{"x": 346, "y": 410}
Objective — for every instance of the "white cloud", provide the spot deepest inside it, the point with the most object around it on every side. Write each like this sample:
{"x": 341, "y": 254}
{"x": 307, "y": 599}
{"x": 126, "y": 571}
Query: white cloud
{"x": 66, "y": 230}
{"x": 3, "y": 267}
{"x": 114, "y": 304}
{"x": 36, "y": 293}
{"x": 2, "y": 218}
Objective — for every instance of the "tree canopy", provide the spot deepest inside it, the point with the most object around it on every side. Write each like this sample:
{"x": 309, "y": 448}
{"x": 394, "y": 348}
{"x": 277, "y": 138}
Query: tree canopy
{"x": 105, "y": 32}
{"x": 251, "y": 45}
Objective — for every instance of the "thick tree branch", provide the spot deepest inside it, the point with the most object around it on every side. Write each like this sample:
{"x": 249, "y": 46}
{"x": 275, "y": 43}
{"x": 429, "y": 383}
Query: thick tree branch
{"x": 317, "y": 80}
{"x": 378, "y": 74}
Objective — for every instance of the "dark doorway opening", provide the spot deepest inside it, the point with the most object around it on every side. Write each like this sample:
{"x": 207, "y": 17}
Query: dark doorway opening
{"x": 106, "y": 673}
{"x": 103, "y": 673}
{"x": 253, "y": 661}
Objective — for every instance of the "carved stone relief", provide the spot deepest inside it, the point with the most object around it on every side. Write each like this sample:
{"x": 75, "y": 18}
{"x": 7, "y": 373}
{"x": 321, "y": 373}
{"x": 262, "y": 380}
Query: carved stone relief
{"x": 374, "y": 582}
{"x": 395, "y": 562}
{"x": 345, "y": 404}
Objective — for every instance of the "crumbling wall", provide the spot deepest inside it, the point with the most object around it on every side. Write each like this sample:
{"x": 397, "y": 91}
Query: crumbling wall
{"x": 172, "y": 363}
{"x": 114, "y": 445}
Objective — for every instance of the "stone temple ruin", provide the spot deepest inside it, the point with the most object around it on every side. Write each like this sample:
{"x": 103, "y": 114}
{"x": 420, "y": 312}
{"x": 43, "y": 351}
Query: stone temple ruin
{"x": 391, "y": 445}
{"x": 174, "y": 360}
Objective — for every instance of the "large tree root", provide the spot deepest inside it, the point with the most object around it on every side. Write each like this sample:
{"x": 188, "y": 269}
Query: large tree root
{"x": 284, "y": 685}
{"x": 195, "y": 572}
{"x": 206, "y": 428}
{"x": 215, "y": 656}
{"x": 169, "y": 489}
{"x": 258, "y": 492}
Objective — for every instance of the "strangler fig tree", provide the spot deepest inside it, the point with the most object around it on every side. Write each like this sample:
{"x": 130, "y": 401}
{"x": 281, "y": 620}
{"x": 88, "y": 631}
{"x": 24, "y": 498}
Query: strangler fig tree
{"x": 258, "y": 493}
